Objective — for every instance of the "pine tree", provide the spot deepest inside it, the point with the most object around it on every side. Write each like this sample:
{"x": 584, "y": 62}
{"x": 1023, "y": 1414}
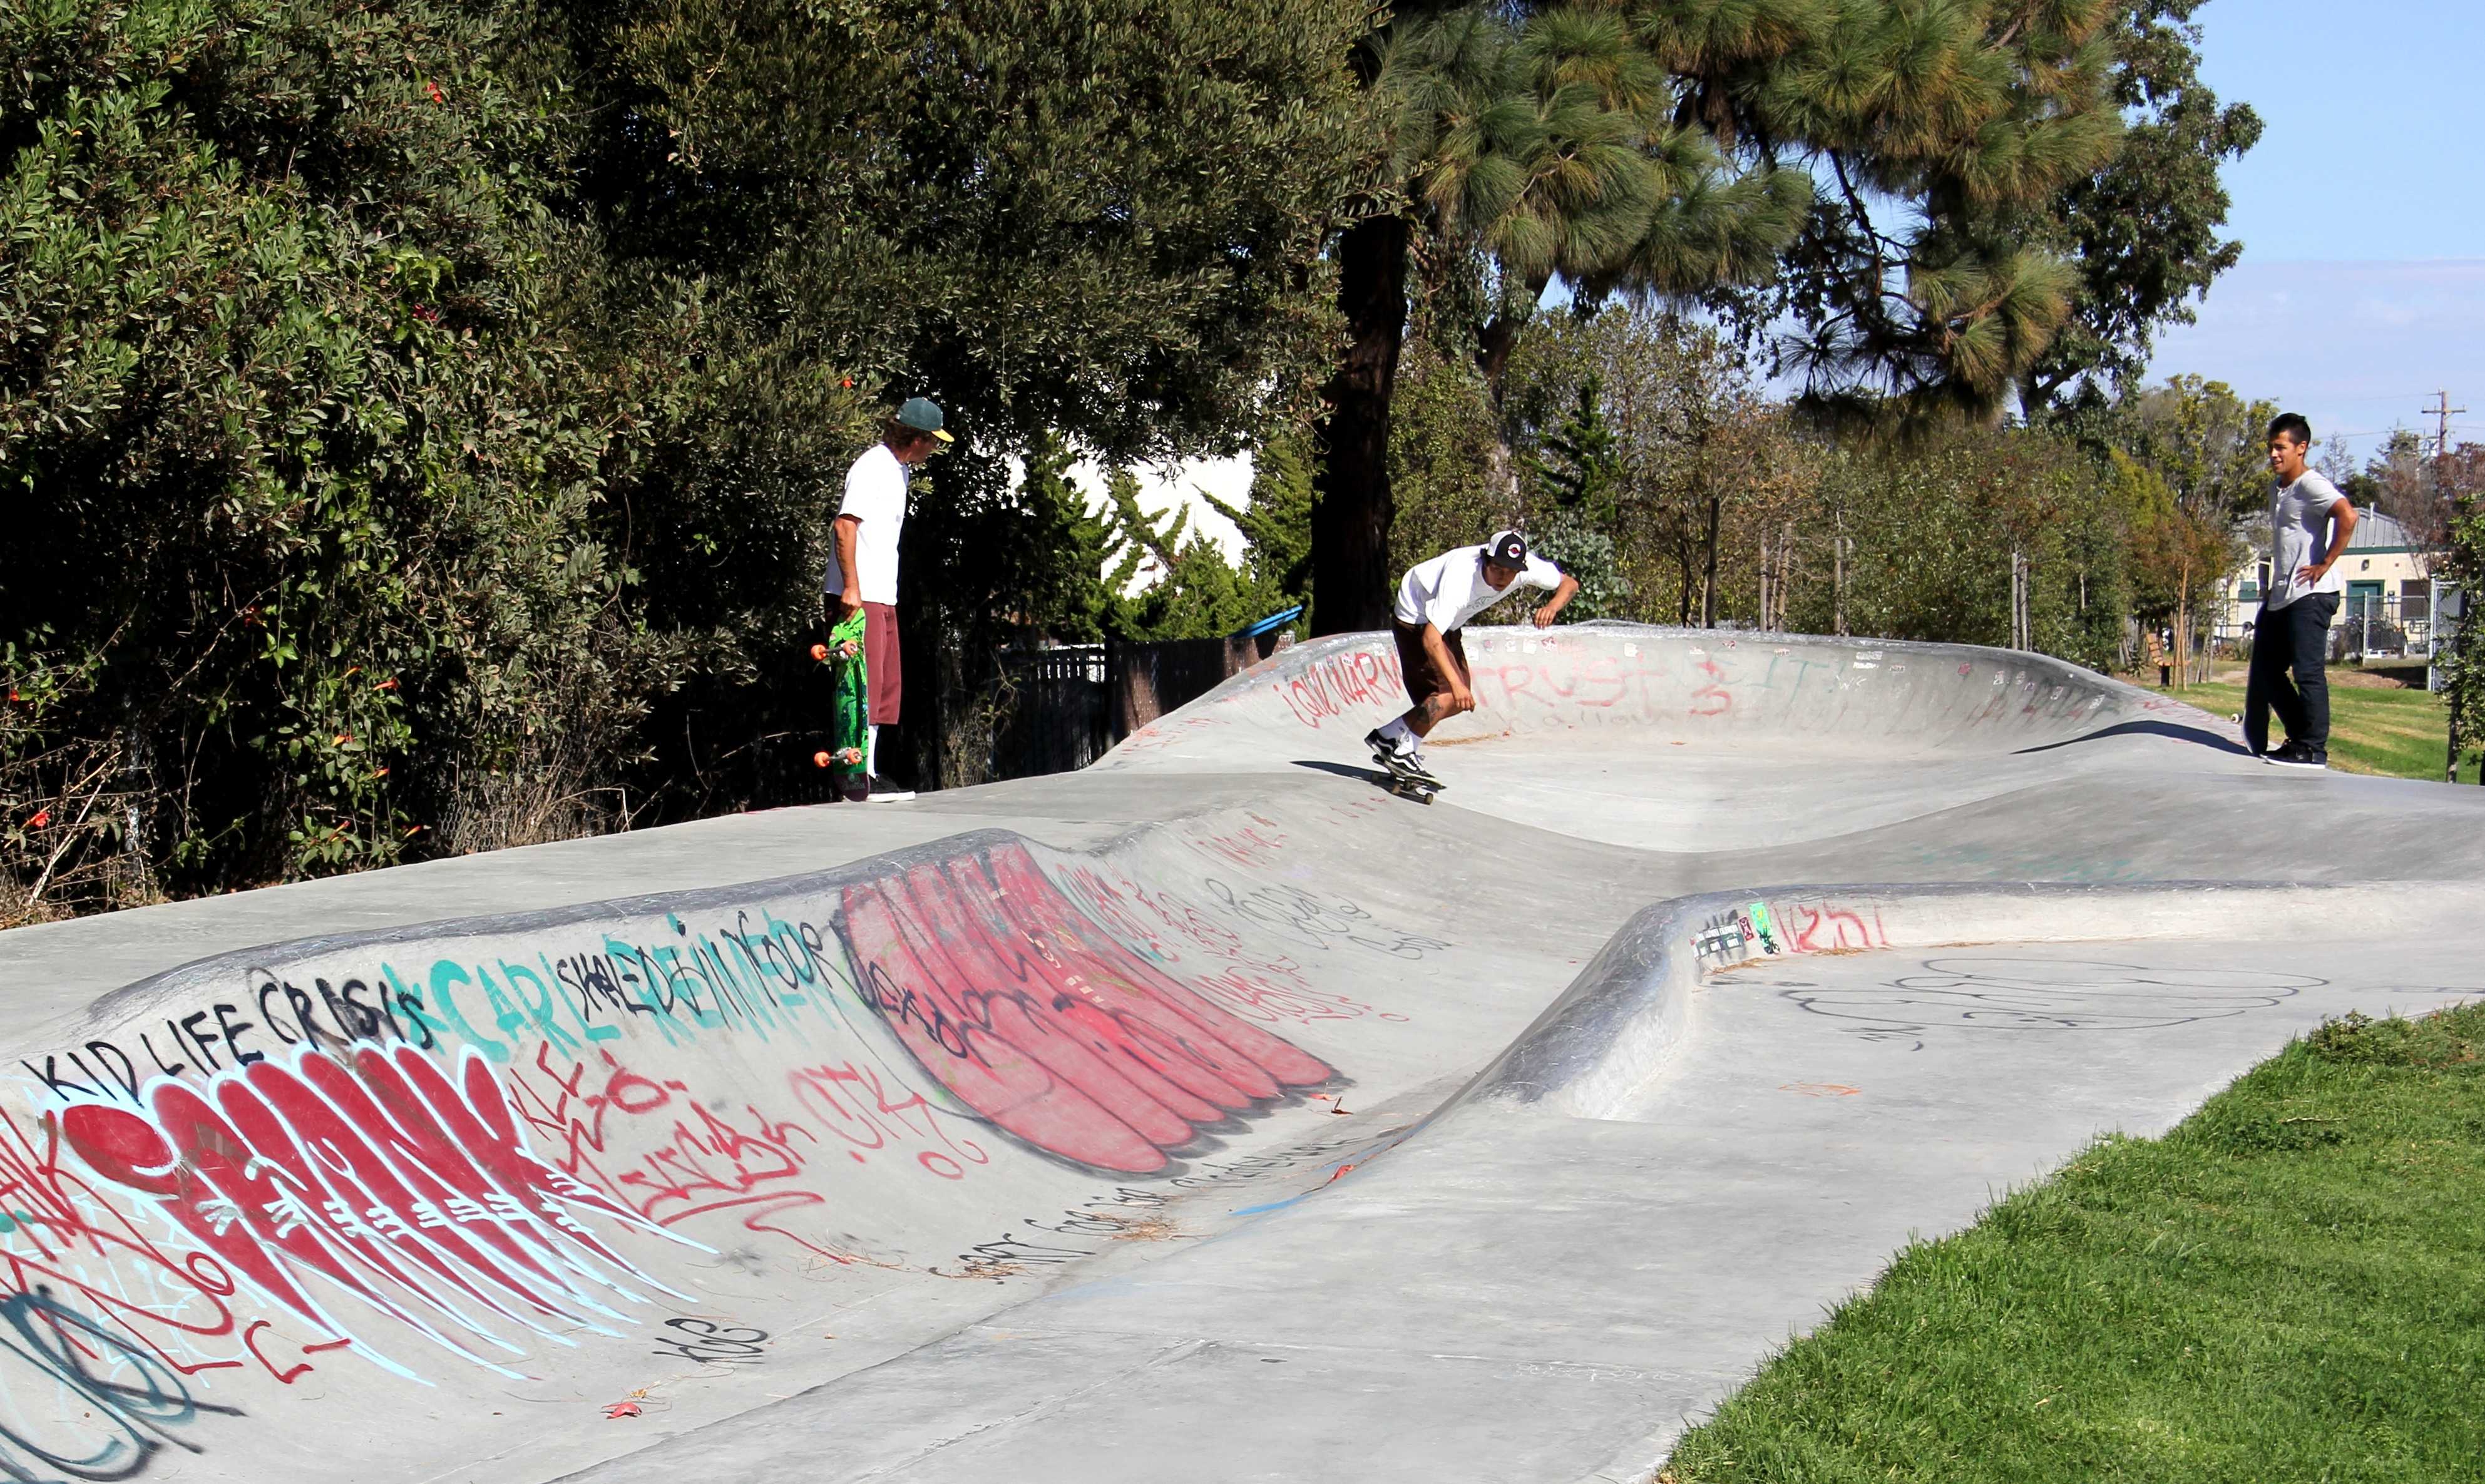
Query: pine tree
{"x": 1583, "y": 470}
{"x": 1073, "y": 598}
{"x": 1275, "y": 521}
{"x": 2144, "y": 231}
{"x": 1578, "y": 480}
{"x": 1669, "y": 150}
{"x": 1195, "y": 593}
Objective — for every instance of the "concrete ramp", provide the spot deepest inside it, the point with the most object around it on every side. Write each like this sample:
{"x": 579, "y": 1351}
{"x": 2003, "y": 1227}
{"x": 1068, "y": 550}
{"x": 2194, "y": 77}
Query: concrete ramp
{"x": 1210, "y": 1114}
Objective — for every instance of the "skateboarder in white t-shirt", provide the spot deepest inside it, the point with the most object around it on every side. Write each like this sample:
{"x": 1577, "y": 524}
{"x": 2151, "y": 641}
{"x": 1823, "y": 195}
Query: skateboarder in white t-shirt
{"x": 1435, "y": 602}
{"x": 861, "y": 575}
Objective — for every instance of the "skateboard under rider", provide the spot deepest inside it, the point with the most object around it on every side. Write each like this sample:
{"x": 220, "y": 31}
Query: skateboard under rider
{"x": 849, "y": 709}
{"x": 1404, "y": 779}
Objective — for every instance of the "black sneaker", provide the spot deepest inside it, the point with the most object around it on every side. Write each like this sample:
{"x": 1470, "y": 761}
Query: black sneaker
{"x": 2295, "y": 755}
{"x": 883, "y": 791}
{"x": 1383, "y": 751}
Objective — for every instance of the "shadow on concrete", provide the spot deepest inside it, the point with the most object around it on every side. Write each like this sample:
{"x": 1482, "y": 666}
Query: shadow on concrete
{"x": 2174, "y": 731}
{"x": 1345, "y": 770}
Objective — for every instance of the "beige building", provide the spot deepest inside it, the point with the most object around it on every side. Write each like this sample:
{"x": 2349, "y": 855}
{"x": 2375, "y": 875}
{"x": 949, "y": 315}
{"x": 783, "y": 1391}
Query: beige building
{"x": 2388, "y": 608}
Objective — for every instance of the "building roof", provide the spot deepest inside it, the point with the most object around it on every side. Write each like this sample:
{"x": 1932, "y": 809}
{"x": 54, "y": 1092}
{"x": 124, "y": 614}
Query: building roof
{"x": 2377, "y": 529}
{"x": 2374, "y": 531}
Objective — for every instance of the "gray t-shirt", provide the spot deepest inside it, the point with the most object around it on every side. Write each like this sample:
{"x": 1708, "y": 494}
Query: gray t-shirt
{"x": 2299, "y": 525}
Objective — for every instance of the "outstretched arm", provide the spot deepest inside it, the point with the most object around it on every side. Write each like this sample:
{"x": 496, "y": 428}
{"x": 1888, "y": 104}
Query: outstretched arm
{"x": 1560, "y": 600}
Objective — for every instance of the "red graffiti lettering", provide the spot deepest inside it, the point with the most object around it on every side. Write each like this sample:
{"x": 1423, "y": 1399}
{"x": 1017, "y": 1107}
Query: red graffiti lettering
{"x": 412, "y": 1194}
{"x": 1248, "y": 986}
{"x": 1248, "y": 846}
{"x": 1328, "y": 687}
{"x": 65, "y": 1231}
{"x": 853, "y": 1103}
{"x": 1847, "y": 931}
{"x": 1711, "y": 698}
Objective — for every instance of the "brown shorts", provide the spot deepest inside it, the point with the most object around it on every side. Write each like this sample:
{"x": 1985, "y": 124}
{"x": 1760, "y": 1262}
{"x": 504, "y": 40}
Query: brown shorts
{"x": 1423, "y": 678}
{"x": 887, "y": 673}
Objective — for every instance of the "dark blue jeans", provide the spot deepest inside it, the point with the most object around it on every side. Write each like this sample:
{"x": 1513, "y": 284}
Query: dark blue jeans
{"x": 2289, "y": 647}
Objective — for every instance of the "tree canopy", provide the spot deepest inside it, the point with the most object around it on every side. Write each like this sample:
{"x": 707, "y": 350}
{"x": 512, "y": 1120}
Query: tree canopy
{"x": 1863, "y": 170}
{"x": 425, "y": 417}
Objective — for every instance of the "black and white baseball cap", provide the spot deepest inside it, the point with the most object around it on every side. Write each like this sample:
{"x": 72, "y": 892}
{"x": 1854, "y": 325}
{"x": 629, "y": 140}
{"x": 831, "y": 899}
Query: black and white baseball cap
{"x": 1506, "y": 548}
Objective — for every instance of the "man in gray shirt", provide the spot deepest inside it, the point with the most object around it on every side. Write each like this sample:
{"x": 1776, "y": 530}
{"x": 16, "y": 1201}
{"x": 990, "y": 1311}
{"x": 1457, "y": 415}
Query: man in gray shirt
{"x": 2309, "y": 523}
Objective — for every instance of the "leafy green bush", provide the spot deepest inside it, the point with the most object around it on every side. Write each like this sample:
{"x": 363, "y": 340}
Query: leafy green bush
{"x": 303, "y": 486}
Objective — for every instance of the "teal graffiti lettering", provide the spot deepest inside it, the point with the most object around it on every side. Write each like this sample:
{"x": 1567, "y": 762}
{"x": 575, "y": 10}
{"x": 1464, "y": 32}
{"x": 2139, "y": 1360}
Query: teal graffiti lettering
{"x": 445, "y": 974}
{"x": 536, "y": 993}
{"x": 506, "y": 1016}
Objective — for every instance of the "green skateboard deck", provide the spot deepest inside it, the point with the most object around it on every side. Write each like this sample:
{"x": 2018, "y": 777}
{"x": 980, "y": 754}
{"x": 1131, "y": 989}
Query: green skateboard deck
{"x": 849, "y": 705}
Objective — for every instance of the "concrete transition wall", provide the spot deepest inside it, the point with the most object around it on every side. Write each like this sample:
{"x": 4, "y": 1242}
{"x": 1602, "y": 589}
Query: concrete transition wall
{"x": 1662, "y": 686}
{"x": 420, "y": 1204}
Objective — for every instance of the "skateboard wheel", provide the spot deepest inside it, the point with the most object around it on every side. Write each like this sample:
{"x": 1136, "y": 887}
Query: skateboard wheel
{"x": 819, "y": 652}
{"x": 819, "y": 759}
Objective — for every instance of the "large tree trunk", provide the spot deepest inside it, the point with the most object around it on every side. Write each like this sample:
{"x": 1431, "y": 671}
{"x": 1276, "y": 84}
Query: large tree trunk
{"x": 1352, "y": 504}
{"x": 1494, "y": 342}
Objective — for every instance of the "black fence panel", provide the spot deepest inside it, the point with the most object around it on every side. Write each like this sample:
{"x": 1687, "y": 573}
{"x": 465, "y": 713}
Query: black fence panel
{"x": 1060, "y": 709}
{"x": 1055, "y": 712}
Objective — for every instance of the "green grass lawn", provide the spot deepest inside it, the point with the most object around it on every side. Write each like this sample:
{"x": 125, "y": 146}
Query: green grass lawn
{"x": 2397, "y": 734}
{"x": 2289, "y": 1286}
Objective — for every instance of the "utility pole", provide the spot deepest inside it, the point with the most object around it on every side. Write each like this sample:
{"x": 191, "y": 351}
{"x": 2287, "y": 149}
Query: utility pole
{"x": 2441, "y": 412}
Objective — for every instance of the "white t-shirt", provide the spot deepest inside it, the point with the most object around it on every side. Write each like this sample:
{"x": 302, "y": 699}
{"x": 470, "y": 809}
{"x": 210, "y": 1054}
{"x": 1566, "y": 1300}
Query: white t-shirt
{"x": 875, "y": 496}
{"x": 1449, "y": 590}
{"x": 2298, "y": 523}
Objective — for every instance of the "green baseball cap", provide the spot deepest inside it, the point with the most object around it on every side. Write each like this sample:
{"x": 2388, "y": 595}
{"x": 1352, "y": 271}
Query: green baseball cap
{"x": 924, "y": 415}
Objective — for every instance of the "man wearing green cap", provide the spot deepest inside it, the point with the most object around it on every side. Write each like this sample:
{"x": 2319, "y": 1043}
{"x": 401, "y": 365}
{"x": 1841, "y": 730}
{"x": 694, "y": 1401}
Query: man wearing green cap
{"x": 862, "y": 571}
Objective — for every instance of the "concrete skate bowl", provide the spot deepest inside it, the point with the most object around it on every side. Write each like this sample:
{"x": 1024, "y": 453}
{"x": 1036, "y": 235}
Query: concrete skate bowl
{"x": 1208, "y": 1115}
{"x": 1655, "y": 685}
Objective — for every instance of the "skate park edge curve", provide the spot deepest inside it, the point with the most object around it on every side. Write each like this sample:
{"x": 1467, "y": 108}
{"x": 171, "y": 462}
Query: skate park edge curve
{"x": 492, "y": 1190}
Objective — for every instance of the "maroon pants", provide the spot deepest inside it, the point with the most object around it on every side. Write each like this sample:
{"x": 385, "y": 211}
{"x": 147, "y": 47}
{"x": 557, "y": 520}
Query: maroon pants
{"x": 879, "y": 657}
{"x": 1423, "y": 678}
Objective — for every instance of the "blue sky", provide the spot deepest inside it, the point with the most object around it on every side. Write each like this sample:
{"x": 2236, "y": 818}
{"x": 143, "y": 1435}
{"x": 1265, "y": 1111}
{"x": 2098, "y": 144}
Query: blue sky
{"x": 2362, "y": 212}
